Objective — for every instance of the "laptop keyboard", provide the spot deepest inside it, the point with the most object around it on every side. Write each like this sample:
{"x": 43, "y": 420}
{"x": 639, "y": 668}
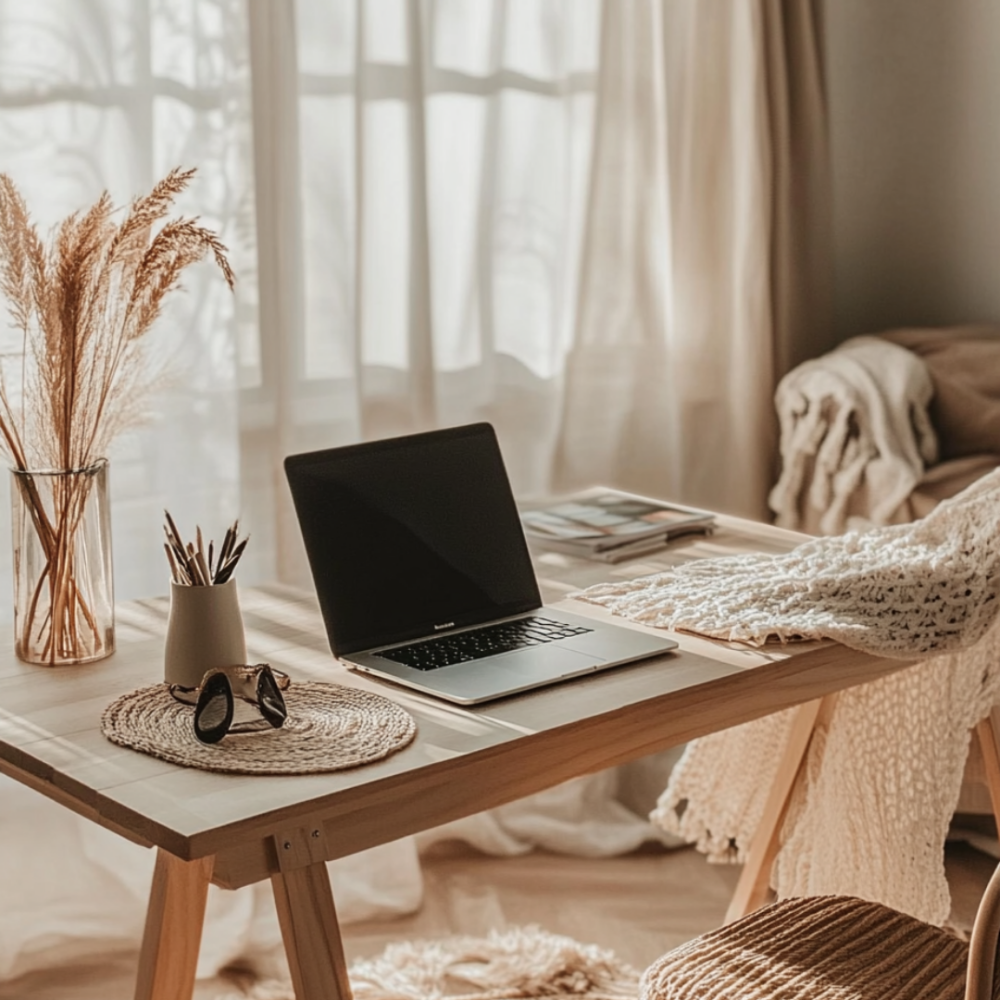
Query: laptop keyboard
{"x": 477, "y": 643}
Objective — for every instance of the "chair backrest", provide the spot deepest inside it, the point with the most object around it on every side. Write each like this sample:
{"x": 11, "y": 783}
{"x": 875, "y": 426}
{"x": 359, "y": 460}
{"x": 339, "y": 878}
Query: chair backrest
{"x": 984, "y": 942}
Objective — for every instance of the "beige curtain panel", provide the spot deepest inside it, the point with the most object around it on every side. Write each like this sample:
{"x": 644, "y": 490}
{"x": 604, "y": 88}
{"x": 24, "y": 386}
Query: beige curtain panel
{"x": 705, "y": 264}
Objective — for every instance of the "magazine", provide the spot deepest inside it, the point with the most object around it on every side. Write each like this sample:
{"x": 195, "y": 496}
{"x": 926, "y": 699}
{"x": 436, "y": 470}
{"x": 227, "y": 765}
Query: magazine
{"x": 609, "y": 525}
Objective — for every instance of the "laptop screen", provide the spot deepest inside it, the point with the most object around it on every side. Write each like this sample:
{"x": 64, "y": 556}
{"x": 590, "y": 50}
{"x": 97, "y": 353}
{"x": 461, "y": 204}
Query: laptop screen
{"x": 411, "y": 535}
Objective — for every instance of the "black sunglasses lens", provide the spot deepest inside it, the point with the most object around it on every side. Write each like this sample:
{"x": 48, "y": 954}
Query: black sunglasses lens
{"x": 213, "y": 715}
{"x": 270, "y": 700}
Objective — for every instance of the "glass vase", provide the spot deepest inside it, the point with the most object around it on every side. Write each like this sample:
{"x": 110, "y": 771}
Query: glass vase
{"x": 63, "y": 588}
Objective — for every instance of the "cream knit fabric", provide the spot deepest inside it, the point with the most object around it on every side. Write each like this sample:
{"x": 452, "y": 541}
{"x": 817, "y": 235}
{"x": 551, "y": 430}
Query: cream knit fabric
{"x": 853, "y": 422}
{"x": 883, "y": 778}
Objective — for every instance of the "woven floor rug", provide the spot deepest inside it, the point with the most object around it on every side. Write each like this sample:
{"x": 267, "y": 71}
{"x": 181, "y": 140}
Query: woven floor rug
{"x": 519, "y": 962}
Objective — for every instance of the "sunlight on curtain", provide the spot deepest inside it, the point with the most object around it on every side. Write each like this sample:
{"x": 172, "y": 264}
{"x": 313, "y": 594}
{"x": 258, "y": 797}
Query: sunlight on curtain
{"x": 405, "y": 216}
{"x": 457, "y": 144}
{"x": 560, "y": 216}
{"x": 573, "y": 220}
{"x": 111, "y": 94}
{"x": 704, "y": 269}
{"x": 440, "y": 169}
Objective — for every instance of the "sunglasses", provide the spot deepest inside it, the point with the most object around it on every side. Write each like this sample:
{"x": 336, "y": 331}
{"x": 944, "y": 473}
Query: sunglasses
{"x": 236, "y": 699}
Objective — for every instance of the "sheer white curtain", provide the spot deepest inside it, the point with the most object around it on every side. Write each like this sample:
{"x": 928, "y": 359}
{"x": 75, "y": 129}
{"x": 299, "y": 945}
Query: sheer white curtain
{"x": 109, "y": 95}
{"x": 580, "y": 221}
{"x": 591, "y": 225}
{"x": 705, "y": 266}
{"x": 600, "y": 227}
{"x": 427, "y": 176}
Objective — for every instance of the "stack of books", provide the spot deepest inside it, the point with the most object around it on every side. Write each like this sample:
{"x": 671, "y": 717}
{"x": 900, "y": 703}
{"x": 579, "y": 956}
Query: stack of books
{"x": 608, "y": 525}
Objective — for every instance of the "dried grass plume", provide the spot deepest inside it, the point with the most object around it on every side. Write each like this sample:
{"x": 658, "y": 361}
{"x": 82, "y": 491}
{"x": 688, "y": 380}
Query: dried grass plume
{"x": 83, "y": 302}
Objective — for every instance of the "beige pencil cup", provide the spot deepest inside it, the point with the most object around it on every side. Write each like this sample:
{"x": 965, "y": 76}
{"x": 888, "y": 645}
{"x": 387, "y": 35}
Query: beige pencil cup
{"x": 205, "y": 630}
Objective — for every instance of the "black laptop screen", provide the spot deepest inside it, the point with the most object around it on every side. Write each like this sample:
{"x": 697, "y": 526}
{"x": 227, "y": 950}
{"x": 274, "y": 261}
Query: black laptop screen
{"x": 411, "y": 535}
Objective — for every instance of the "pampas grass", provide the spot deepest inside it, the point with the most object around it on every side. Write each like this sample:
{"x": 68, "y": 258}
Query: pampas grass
{"x": 83, "y": 302}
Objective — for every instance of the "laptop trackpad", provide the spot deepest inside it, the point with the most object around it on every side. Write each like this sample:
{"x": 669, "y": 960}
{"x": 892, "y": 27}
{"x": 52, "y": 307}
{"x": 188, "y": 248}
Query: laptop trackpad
{"x": 546, "y": 661}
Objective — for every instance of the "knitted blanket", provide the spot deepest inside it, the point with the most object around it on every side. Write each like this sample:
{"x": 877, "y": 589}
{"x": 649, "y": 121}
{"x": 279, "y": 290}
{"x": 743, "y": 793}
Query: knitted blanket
{"x": 855, "y": 436}
{"x": 883, "y": 776}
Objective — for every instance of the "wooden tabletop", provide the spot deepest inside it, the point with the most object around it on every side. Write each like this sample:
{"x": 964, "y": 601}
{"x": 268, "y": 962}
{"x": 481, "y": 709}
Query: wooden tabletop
{"x": 463, "y": 760}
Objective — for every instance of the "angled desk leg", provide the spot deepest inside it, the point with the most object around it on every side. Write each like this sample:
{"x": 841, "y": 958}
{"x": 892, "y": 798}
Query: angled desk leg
{"x": 311, "y": 933}
{"x": 754, "y": 884}
{"x": 986, "y": 733}
{"x": 174, "y": 920}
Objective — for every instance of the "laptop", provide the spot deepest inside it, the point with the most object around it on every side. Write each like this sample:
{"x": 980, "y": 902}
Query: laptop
{"x": 423, "y": 574}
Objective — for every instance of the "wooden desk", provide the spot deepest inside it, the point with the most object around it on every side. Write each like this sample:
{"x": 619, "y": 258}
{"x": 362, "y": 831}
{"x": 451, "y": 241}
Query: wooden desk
{"x": 236, "y": 830}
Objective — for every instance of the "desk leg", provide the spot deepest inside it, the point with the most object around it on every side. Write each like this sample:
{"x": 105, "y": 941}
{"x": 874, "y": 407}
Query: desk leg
{"x": 986, "y": 732}
{"x": 311, "y": 933}
{"x": 754, "y": 885}
{"x": 174, "y": 922}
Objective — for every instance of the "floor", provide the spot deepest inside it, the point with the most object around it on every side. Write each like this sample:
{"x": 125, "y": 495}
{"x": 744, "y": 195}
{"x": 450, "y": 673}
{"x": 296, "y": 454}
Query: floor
{"x": 638, "y": 906}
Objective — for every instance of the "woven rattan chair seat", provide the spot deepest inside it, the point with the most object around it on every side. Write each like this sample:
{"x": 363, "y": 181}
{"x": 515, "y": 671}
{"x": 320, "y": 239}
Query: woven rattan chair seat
{"x": 818, "y": 948}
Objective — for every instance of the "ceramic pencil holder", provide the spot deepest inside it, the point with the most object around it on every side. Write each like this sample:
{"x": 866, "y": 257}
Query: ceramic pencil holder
{"x": 204, "y": 630}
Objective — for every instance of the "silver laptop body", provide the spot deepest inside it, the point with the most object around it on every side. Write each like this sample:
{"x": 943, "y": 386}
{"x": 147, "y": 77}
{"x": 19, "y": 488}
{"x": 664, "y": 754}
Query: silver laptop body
{"x": 421, "y": 569}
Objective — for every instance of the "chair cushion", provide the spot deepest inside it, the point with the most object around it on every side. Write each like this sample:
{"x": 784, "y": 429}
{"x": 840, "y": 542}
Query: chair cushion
{"x": 814, "y": 948}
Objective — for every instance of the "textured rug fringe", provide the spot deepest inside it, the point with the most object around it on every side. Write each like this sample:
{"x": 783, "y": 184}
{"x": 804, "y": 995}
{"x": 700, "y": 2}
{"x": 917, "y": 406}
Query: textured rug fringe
{"x": 522, "y": 962}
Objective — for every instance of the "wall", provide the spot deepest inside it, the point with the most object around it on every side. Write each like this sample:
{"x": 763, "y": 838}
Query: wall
{"x": 914, "y": 97}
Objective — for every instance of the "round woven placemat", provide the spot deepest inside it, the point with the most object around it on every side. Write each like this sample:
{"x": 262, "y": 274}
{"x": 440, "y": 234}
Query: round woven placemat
{"x": 329, "y": 728}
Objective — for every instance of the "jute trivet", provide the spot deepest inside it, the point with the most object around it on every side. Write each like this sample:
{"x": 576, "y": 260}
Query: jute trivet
{"x": 329, "y": 728}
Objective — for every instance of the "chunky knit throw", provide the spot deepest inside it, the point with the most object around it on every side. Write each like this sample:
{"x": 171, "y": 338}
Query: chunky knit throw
{"x": 883, "y": 777}
{"x": 855, "y": 435}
